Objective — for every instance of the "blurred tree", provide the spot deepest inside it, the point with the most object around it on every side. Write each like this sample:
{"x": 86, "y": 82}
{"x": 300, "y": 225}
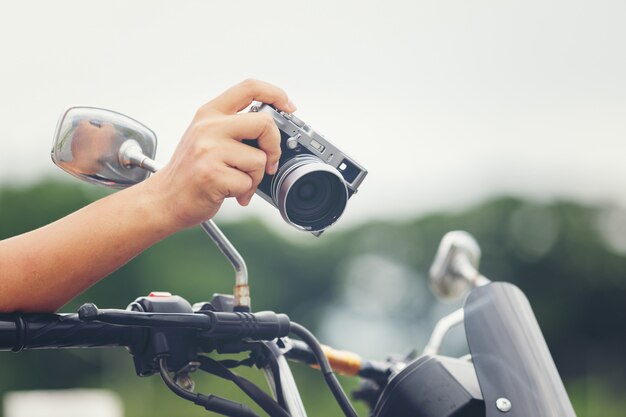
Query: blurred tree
{"x": 560, "y": 254}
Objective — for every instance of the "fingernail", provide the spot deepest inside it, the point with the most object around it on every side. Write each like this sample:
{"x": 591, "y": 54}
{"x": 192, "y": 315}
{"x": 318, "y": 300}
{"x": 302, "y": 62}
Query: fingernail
{"x": 274, "y": 168}
{"x": 292, "y": 107}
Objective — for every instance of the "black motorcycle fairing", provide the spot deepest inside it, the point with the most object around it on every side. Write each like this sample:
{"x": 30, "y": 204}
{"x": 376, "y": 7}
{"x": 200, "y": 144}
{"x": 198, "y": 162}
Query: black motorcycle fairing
{"x": 510, "y": 355}
{"x": 432, "y": 386}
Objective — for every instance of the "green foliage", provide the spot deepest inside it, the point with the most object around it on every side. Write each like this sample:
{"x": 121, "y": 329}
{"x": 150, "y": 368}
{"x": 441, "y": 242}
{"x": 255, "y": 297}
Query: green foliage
{"x": 555, "y": 252}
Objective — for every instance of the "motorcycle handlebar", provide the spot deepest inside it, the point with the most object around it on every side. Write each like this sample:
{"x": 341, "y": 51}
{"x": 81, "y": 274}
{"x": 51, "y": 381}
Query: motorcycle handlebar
{"x": 110, "y": 328}
{"x": 52, "y": 331}
{"x": 92, "y": 327}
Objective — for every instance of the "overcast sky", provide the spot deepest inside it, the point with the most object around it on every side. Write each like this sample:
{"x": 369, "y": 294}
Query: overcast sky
{"x": 445, "y": 102}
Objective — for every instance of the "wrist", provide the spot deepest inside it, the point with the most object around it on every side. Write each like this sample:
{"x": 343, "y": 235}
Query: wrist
{"x": 153, "y": 208}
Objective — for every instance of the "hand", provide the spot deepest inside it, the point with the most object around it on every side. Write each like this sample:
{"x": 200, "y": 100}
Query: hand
{"x": 210, "y": 162}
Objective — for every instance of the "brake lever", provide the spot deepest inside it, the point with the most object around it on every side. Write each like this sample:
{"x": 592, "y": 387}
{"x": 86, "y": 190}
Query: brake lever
{"x": 90, "y": 312}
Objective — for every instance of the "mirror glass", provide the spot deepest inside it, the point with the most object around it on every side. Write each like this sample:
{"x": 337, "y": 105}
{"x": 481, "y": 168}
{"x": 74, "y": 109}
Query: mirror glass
{"x": 87, "y": 143}
{"x": 455, "y": 265}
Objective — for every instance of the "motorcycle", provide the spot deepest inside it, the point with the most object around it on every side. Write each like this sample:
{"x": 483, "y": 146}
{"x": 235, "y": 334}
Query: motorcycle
{"x": 508, "y": 372}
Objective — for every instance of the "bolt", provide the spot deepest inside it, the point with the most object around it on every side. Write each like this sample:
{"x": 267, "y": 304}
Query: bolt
{"x": 503, "y": 404}
{"x": 185, "y": 381}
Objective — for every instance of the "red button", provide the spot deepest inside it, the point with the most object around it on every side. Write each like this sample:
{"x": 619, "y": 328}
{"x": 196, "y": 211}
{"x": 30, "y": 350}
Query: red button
{"x": 160, "y": 294}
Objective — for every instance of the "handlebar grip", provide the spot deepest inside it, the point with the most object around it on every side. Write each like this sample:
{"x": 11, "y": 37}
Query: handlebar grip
{"x": 52, "y": 331}
{"x": 264, "y": 325}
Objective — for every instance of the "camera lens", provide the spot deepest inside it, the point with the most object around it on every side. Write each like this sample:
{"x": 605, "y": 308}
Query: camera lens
{"x": 310, "y": 195}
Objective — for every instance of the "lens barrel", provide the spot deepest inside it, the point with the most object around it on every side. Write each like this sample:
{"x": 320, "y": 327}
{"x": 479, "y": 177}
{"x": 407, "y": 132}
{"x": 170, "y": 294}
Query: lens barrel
{"x": 309, "y": 194}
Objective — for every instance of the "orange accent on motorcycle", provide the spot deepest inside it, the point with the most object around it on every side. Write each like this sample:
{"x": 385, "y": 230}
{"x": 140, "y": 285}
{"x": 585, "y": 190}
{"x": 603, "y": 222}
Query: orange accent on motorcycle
{"x": 342, "y": 361}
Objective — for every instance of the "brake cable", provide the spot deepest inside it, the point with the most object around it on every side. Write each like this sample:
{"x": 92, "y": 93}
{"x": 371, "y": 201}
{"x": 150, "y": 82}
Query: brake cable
{"x": 210, "y": 402}
{"x": 259, "y": 396}
{"x": 329, "y": 376}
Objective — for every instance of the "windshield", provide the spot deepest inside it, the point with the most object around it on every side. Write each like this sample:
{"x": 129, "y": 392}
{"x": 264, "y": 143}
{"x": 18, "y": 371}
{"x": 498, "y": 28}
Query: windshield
{"x": 515, "y": 370}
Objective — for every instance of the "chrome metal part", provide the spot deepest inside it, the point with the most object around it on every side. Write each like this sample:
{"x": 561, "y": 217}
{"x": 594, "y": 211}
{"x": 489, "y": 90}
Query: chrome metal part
{"x": 182, "y": 377}
{"x": 297, "y": 169}
{"x": 185, "y": 381}
{"x": 291, "y": 394}
{"x": 131, "y": 155}
{"x": 151, "y": 165}
{"x": 455, "y": 268}
{"x": 242, "y": 292}
{"x": 129, "y": 151}
{"x": 503, "y": 404}
{"x": 290, "y": 389}
{"x": 296, "y": 121}
{"x": 292, "y": 142}
{"x": 442, "y": 327}
{"x": 89, "y": 141}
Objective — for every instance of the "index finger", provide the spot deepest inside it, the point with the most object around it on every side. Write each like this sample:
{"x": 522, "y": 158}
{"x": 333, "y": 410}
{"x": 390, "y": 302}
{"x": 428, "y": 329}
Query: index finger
{"x": 243, "y": 94}
{"x": 259, "y": 126}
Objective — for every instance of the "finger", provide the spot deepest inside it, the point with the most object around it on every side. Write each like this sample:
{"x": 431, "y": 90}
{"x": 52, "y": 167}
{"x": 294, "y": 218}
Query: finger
{"x": 246, "y": 159}
{"x": 260, "y": 126}
{"x": 234, "y": 183}
{"x": 243, "y": 94}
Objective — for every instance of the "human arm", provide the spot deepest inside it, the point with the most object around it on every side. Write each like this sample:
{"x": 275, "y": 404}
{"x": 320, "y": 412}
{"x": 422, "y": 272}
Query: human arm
{"x": 41, "y": 270}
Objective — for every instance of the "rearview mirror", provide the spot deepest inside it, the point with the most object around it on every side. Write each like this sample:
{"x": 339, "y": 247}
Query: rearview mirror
{"x": 87, "y": 144}
{"x": 455, "y": 268}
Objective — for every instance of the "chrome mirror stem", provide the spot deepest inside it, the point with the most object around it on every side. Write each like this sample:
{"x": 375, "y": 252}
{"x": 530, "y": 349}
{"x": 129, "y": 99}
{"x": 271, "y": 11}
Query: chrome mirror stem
{"x": 130, "y": 155}
{"x": 442, "y": 327}
{"x": 242, "y": 289}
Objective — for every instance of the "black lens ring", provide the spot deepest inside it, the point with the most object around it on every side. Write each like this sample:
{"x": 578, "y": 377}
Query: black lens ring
{"x": 322, "y": 208}
{"x": 288, "y": 180}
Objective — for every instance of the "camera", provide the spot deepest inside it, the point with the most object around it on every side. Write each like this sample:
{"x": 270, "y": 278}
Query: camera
{"x": 314, "y": 180}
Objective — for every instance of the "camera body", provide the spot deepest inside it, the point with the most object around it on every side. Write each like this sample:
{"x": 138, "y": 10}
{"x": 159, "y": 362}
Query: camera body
{"x": 314, "y": 180}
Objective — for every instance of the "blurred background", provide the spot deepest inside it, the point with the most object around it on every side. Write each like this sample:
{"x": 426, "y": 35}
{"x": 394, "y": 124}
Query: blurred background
{"x": 505, "y": 119}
